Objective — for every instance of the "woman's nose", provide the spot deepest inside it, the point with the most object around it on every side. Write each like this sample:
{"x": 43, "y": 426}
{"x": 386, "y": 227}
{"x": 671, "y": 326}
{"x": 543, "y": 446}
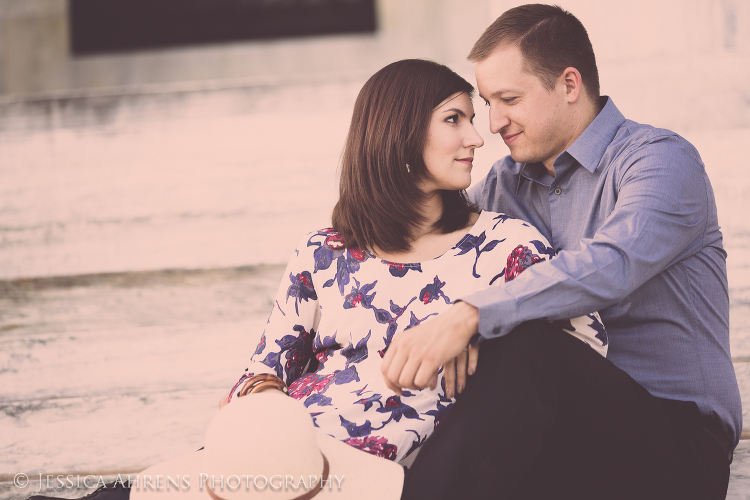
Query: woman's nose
{"x": 473, "y": 140}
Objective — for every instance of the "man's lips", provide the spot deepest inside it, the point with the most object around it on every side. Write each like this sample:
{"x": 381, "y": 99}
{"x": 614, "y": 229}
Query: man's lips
{"x": 511, "y": 137}
{"x": 469, "y": 161}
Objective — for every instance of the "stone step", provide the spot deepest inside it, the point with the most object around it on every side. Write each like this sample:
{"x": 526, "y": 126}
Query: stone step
{"x": 116, "y": 372}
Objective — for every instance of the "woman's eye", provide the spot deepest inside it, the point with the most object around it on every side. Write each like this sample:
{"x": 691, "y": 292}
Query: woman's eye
{"x": 452, "y": 119}
{"x": 486, "y": 102}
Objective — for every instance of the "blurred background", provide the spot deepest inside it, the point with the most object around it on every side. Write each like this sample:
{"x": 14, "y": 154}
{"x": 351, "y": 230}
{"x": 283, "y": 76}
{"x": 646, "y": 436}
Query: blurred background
{"x": 159, "y": 160}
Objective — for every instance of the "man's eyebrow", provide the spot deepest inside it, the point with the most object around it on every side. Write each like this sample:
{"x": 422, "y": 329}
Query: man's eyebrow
{"x": 499, "y": 93}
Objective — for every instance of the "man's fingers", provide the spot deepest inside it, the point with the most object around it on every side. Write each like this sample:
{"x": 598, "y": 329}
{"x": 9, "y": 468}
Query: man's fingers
{"x": 424, "y": 375}
{"x": 461, "y": 366}
{"x": 396, "y": 368}
{"x": 449, "y": 375}
{"x": 473, "y": 358}
{"x": 388, "y": 358}
{"x": 408, "y": 375}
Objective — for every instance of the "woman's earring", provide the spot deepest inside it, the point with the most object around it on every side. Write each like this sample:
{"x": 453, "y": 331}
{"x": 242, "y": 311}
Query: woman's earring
{"x": 408, "y": 170}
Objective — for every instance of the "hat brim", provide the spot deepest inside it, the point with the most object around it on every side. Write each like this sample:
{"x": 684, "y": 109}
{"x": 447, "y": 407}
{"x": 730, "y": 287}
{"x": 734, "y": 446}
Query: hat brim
{"x": 353, "y": 474}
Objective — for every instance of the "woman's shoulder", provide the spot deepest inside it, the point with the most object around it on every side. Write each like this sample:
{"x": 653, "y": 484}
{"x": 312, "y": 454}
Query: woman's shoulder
{"x": 325, "y": 246}
{"x": 507, "y": 226}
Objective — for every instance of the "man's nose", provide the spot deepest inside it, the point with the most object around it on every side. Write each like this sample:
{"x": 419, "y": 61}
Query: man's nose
{"x": 498, "y": 120}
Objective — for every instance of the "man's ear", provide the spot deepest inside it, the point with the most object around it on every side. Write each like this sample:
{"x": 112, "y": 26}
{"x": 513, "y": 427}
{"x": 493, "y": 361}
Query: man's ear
{"x": 571, "y": 78}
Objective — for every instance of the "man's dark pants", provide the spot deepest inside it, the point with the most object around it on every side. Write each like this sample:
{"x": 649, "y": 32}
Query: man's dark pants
{"x": 546, "y": 417}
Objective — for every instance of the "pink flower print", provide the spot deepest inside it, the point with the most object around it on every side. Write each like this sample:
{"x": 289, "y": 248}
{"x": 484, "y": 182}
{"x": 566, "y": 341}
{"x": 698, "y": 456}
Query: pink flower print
{"x": 375, "y": 445}
{"x": 335, "y": 241}
{"x": 358, "y": 254}
{"x": 519, "y": 259}
{"x": 312, "y": 382}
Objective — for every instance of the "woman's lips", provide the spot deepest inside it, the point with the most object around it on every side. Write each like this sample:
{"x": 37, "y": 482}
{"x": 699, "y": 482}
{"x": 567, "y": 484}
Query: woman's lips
{"x": 468, "y": 161}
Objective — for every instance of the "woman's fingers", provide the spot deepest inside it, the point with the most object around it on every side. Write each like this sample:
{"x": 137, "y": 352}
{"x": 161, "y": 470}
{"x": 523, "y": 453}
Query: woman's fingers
{"x": 473, "y": 358}
{"x": 223, "y": 401}
{"x": 449, "y": 375}
{"x": 462, "y": 362}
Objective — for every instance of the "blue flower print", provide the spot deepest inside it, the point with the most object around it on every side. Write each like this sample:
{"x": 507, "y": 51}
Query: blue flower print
{"x": 317, "y": 399}
{"x": 416, "y": 444}
{"x": 298, "y": 353}
{"x": 356, "y": 354}
{"x": 601, "y": 333}
{"x": 261, "y": 344}
{"x": 414, "y": 321}
{"x": 345, "y": 376}
{"x": 355, "y": 430}
{"x": 470, "y": 242}
{"x": 398, "y": 409}
{"x": 359, "y": 295}
{"x": 301, "y": 289}
{"x": 399, "y": 270}
{"x": 323, "y": 349}
{"x": 443, "y": 405}
{"x": 369, "y": 401}
{"x": 543, "y": 249}
{"x": 434, "y": 291}
{"x": 501, "y": 220}
{"x": 323, "y": 258}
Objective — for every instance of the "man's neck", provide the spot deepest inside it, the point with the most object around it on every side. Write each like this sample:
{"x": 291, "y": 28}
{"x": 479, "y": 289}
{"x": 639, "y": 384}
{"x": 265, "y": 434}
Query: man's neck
{"x": 580, "y": 120}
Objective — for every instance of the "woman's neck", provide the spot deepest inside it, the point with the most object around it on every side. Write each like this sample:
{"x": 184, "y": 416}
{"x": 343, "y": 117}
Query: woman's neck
{"x": 432, "y": 211}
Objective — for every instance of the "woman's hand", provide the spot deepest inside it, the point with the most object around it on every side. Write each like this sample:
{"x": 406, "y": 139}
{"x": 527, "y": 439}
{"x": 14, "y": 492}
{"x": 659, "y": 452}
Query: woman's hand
{"x": 456, "y": 370}
{"x": 224, "y": 400}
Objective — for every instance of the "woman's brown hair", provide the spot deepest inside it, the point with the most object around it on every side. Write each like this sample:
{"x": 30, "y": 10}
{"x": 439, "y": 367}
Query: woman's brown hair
{"x": 379, "y": 197}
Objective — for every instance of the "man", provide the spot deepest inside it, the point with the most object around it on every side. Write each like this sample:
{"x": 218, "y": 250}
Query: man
{"x": 630, "y": 213}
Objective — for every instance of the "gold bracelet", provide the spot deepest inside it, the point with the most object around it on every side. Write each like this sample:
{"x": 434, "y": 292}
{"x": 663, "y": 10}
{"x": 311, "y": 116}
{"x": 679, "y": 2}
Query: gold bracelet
{"x": 262, "y": 381}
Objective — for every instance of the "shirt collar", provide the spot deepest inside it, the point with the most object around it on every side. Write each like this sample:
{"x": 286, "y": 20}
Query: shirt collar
{"x": 590, "y": 146}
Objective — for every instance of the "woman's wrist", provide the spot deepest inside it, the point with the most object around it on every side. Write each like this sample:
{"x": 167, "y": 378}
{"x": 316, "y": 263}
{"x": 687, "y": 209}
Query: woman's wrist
{"x": 261, "y": 382}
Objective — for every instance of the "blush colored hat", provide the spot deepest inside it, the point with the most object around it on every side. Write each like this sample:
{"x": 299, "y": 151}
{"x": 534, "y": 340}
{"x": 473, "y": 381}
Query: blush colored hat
{"x": 265, "y": 446}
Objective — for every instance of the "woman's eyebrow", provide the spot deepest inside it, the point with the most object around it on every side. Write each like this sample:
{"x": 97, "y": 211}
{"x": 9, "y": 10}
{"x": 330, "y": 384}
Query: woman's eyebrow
{"x": 460, "y": 112}
{"x": 455, "y": 110}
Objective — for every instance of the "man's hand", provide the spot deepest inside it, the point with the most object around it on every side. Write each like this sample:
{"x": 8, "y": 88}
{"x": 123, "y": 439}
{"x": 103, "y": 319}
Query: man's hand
{"x": 415, "y": 355}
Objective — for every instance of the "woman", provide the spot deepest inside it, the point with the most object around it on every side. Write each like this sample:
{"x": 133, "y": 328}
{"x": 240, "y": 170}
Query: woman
{"x": 405, "y": 244}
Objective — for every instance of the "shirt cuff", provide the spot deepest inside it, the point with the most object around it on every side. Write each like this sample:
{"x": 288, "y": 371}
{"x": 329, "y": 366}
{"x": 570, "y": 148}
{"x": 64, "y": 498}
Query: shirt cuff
{"x": 497, "y": 312}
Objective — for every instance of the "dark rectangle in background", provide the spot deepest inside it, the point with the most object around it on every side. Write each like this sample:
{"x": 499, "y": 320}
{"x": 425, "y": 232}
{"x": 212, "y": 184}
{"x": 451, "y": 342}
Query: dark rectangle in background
{"x": 101, "y": 26}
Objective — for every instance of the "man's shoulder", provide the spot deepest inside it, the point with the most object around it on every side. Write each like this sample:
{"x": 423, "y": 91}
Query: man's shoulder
{"x": 633, "y": 136}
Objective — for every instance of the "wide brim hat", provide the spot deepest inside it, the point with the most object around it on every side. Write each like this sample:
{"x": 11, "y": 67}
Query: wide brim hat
{"x": 265, "y": 446}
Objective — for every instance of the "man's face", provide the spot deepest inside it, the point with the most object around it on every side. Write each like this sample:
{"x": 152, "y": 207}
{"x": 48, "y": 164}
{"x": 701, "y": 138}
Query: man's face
{"x": 535, "y": 123}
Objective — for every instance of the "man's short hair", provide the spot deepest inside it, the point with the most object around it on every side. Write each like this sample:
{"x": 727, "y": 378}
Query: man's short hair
{"x": 550, "y": 40}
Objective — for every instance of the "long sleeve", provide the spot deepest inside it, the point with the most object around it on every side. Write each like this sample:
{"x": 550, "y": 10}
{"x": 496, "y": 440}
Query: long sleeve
{"x": 663, "y": 202}
{"x": 286, "y": 346}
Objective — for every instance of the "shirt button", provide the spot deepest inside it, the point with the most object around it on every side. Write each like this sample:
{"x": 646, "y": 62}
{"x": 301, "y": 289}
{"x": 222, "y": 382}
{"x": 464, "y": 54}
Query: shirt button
{"x": 558, "y": 191}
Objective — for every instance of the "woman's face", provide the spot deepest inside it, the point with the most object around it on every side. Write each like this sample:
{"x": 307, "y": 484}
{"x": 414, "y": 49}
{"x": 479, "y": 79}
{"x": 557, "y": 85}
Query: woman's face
{"x": 451, "y": 140}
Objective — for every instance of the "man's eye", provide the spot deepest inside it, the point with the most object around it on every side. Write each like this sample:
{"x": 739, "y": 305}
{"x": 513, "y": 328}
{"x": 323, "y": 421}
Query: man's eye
{"x": 509, "y": 100}
{"x": 486, "y": 102}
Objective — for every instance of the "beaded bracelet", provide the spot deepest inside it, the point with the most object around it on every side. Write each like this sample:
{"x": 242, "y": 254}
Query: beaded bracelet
{"x": 260, "y": 382}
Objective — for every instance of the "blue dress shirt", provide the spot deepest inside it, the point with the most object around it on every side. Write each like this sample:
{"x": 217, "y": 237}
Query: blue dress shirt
{"x": 632, "y": 215}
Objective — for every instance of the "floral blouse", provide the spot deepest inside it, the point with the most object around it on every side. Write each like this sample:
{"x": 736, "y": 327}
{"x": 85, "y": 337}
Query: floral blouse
{"x": 337, "y": 311}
